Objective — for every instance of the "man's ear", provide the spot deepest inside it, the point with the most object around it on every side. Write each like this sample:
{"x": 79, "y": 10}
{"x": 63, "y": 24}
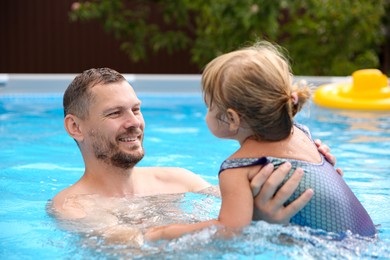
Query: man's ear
{"x": 234, "y": 119}
{"x": 72, "y": 126}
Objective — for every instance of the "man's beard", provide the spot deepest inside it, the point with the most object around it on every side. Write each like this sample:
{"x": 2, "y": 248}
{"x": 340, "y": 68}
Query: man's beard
{"x": 108, "y": 152}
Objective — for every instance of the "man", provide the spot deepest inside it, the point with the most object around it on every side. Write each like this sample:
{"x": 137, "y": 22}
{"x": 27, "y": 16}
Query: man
{"x": 103, "y": 115}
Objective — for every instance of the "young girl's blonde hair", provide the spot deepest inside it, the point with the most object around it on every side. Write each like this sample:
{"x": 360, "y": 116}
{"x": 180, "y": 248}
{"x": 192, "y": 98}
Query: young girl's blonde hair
{"x": 257, "y": 83}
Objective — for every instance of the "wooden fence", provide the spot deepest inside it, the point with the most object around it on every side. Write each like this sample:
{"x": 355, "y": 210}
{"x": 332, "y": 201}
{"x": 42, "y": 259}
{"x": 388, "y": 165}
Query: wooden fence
{"x": 36, "y": 36}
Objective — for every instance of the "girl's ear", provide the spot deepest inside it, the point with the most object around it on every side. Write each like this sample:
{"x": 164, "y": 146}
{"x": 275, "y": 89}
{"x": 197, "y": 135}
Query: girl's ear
{"x": 233, "y": 119}
{"x": 72, "y": 126}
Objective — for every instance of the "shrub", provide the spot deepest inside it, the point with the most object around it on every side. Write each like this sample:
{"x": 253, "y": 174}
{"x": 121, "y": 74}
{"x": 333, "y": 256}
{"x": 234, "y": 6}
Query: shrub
{"x": 322, "y": 37}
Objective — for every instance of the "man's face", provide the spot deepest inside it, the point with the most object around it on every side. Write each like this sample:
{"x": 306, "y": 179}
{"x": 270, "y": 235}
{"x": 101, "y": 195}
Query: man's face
{"x": 116, "y": 125}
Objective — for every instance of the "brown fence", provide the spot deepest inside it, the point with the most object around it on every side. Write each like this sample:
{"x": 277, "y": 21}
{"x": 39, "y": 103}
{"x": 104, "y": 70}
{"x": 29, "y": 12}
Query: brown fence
{"x": 36, "y": 36}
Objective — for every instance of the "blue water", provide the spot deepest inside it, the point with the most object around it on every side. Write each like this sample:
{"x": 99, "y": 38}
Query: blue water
{"x": 38, "y": 159}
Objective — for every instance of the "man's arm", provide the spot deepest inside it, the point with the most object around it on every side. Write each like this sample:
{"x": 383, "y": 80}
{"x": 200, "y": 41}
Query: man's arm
{"x": 68, "y": 209}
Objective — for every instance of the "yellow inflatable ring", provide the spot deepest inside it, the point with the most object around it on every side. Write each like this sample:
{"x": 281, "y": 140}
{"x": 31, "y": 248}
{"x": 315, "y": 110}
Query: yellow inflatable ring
{"x": 369, "y": 90}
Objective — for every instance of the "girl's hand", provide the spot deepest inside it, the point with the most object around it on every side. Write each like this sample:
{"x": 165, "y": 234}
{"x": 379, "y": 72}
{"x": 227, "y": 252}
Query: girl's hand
{"x": 155, "y": 233}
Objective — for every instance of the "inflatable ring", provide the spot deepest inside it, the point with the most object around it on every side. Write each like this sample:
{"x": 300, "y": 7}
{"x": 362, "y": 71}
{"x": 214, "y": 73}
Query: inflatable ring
{"x": 369, "y": 90}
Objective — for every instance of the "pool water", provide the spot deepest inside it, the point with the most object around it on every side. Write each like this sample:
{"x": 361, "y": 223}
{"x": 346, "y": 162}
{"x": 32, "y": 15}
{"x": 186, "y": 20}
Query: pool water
{"x": 38, "y": 159}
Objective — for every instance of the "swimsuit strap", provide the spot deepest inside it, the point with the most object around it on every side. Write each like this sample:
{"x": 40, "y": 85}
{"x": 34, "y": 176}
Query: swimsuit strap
{"x": 242, "y": 162}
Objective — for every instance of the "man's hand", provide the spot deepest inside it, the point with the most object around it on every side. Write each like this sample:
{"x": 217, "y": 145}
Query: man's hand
{"x": 325, "y": 150}
{"x": 268, "y": 205}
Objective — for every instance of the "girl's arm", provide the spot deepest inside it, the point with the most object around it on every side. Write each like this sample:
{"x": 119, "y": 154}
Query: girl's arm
{"x": 237, "y": 199}
{"x": 176, "y": 230}
{"x": 236, "y": 209}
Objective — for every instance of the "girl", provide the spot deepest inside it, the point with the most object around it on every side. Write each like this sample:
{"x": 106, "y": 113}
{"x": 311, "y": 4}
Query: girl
{"x": 251, "y": 99}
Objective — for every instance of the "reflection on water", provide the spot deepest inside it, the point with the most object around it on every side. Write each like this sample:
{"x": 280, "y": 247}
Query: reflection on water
{"x": 366, "y": 126}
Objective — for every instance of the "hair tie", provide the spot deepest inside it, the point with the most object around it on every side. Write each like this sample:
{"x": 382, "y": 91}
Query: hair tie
{"x": 294, "y": 98}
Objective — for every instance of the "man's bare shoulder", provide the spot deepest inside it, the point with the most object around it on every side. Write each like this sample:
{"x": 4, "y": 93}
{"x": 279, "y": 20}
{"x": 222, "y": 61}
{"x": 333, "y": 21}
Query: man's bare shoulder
{"x": 165, "y": 172}
{"x": 176, "y": 176}
{"x": 65, "y": 206}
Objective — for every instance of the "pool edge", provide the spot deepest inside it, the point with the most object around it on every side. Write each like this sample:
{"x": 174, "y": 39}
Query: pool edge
{"x": 36, "y": 84}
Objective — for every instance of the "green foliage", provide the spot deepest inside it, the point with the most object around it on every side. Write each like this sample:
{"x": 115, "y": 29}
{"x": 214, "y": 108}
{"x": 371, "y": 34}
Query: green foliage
{"x": 322, "y": 37}
{"x": 333, "y": 37}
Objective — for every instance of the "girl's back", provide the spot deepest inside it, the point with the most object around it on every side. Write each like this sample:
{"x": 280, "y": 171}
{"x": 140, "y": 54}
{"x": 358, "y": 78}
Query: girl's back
{"x": 334, "y": 207}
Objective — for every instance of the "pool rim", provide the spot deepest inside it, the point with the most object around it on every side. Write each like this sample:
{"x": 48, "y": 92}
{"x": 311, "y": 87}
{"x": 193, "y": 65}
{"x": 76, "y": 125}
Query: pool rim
{"x": 41, "y": 84}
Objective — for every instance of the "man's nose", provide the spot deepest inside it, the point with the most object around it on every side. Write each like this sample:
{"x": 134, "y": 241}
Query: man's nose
{"x": 132, "y": 120}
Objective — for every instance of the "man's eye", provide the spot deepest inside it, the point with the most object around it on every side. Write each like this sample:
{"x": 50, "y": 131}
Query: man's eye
{"x": 114, "y": 113}
{"x": 137, "y": 110}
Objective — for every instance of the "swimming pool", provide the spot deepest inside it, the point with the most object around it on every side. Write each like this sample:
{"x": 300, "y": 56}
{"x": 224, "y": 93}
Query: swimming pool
{"x": 38, "y": 159}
